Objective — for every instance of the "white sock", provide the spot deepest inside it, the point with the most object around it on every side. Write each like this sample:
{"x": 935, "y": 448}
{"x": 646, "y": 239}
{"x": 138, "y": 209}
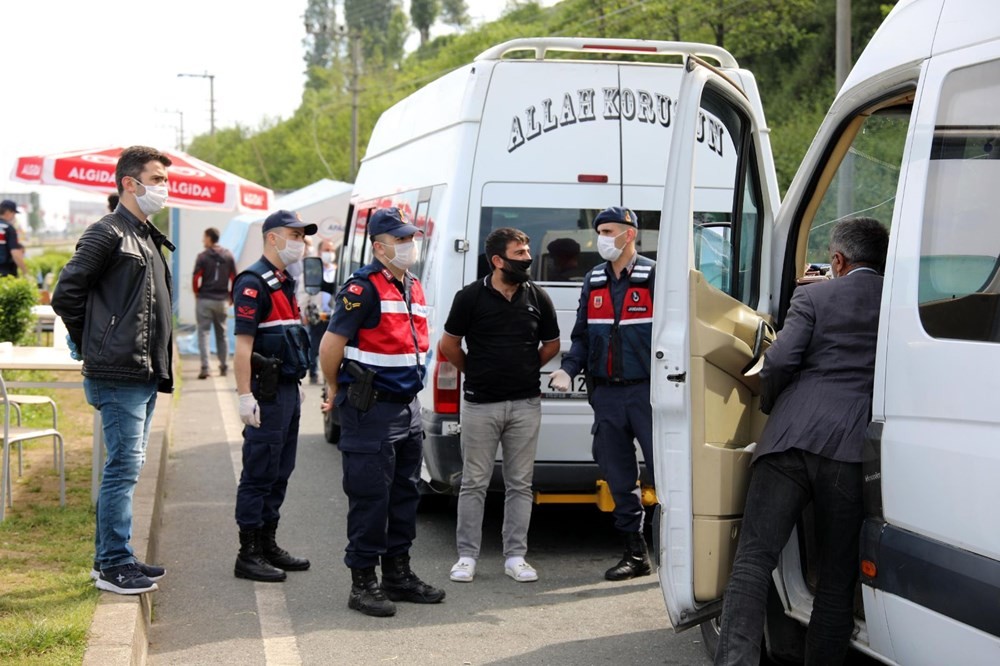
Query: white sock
{"x": 514, "y": 561}
{"x": 470, "y": 561}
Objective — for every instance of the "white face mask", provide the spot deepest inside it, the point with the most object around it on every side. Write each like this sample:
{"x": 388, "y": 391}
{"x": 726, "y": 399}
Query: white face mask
{"x": 606, "y": 247}
{"x": 153, "y": 199}
{"x": 327, "y": 257}
{"x": 292, "y": 252}
{"x": 405, "y": 255}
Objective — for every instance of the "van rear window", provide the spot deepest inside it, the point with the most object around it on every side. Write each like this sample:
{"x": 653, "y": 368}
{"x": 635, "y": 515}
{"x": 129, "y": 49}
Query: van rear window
{"x": 563, "y": 242}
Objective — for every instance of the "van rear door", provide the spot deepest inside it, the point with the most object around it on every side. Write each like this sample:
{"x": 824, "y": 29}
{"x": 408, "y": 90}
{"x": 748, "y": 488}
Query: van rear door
{"x": 707, "y": 333}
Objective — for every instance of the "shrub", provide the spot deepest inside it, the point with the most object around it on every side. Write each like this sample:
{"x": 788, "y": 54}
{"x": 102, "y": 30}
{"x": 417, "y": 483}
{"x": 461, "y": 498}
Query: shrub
{"x": 17, "y": 295}
{"x": 48, "y": 263}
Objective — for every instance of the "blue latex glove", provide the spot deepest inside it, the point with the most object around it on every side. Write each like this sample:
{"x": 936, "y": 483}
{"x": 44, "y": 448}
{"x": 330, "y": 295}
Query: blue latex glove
{"x": 74, "y": 351}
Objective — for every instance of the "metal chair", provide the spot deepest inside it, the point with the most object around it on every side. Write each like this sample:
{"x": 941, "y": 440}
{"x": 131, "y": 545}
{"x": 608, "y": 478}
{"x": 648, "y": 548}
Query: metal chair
{"x": 17, "y": 435}
{"x": 16, "y": 401}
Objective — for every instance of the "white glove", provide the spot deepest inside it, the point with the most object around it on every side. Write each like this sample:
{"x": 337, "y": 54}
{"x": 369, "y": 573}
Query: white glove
{"x": 249, "y": 411}
{"x": 560, "y": 380}
{"x": 302, "y": 395}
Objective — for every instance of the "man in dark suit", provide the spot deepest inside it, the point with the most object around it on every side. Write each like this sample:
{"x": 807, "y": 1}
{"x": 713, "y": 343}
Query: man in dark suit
{"x": 816, "y": 384}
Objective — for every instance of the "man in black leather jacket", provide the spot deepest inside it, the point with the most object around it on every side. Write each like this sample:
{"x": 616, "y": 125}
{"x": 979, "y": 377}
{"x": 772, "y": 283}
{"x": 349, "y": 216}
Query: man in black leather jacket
{"x": 114, "y": 297}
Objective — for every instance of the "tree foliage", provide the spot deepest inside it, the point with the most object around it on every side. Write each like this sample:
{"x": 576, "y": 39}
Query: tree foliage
{"x": 424, "y": 13}
{"x": 787, "y": 44}
{"x": 455, "y": 13}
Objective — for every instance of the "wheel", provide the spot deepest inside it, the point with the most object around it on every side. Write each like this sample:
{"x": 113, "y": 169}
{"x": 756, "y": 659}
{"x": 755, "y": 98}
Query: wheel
{"x": 710, "y": 635}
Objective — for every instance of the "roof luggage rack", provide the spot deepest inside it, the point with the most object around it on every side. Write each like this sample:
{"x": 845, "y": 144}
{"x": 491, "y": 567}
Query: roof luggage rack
{"x": 542, "y": 45}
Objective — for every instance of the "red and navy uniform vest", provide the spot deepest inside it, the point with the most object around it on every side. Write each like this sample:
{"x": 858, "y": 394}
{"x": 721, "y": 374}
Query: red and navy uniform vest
{"x": 396, "y": 349}
{"x": 281, "y": 334}
{"x": 7, "y": 265}
{"x": 619, "y": 342}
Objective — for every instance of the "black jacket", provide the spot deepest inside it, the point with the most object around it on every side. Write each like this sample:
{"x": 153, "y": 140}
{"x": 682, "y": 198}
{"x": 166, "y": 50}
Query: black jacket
{"x": 105, "y": 298}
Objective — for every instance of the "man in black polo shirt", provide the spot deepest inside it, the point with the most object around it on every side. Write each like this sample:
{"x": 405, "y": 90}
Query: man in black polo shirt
{"x": 511, "y": 331}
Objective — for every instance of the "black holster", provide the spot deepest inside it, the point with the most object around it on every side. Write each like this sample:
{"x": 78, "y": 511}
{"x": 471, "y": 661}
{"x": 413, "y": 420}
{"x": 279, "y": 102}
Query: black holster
{"x": 360, "y": 392}
{"x": 266, "y": 371}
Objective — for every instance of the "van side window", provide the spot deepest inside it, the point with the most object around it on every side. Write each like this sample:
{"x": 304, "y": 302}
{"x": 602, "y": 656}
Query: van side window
{"x": 727, "y": 194}
{"x": 959, "y": 280}
{"x": 865, "y": 181}
{"x": 563, "y": 242}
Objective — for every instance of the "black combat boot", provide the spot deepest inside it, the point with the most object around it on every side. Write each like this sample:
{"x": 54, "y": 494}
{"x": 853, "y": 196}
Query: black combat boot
{"x": 367, "y": 596}
{"x": 275, "y": 554}
{"x": 634, "y": 562}
{"x": 401, "y": 584}
{"x": 250, "y": 563}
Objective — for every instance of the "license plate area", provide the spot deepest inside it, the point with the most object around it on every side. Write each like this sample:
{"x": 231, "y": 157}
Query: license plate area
{"x": 577, "y": 390}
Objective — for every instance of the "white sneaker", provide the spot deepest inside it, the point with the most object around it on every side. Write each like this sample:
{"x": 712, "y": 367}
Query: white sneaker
{"x": 520, "y": 570}
{"x": 464, "y": 570}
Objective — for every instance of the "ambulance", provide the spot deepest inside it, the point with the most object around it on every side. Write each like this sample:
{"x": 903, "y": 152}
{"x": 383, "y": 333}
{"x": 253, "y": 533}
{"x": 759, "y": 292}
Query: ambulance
{"x": 912, "y": 139}
{"x": 541, "y": 135}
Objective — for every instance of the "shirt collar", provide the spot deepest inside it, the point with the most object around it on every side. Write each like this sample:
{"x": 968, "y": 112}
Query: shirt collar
{"x": 278, "y": 273}
{"x": 862, "y": 268}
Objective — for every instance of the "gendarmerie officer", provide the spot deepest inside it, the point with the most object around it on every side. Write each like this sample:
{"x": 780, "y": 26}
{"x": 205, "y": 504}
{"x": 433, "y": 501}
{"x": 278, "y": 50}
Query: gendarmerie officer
{"x": 373, "y": 356}
{"x": 271, "y": 358}
{"x": 611, "y": 340}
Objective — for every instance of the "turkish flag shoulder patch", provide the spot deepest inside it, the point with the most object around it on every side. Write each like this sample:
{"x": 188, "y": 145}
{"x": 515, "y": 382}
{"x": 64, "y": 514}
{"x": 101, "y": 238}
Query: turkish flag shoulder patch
{"x": 250, "y": 291}
{"x": 355, "y": 289}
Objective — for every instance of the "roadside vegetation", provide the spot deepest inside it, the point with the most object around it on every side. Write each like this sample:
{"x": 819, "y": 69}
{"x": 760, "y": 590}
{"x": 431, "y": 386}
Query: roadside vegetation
{"x": 47, "y": 599}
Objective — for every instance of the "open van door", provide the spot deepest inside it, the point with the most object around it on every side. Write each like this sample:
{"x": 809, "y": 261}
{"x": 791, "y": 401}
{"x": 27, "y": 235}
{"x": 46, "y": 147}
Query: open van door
{"x": 708, "y": 335}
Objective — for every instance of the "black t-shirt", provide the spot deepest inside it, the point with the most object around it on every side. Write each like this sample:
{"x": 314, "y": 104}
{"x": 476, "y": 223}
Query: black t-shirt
{"x": 502, "y": 337}
{"x": 162, "y": 311}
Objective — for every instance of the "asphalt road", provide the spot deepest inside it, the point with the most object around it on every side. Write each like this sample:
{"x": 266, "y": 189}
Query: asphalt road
{"x": 203, "y": 615}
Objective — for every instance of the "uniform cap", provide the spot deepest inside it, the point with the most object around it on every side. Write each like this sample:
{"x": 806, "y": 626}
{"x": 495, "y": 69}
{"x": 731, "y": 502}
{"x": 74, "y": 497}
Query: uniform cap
{"x": 390, "y": 221}
{"x": 616, "y": 214}
{"x": 8, "y": 204}
{"x": 286, "y": 218}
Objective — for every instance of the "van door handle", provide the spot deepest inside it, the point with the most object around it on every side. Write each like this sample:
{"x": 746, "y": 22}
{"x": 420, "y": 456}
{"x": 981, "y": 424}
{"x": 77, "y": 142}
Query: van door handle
{"x": 765, "y": 333}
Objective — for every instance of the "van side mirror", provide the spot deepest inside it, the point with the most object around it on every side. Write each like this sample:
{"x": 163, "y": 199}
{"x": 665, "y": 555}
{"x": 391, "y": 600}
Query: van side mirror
{"x": 312, "y": 274}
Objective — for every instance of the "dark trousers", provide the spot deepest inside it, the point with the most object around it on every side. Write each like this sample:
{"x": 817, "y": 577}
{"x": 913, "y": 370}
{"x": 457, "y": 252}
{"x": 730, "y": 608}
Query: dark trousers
{"x": 316, "y": 332}
{"x": 780, "y": 487}
{"x": 268, "y": 459}
{"x": 382, "y": 450}
{"x": 622, "y": 415}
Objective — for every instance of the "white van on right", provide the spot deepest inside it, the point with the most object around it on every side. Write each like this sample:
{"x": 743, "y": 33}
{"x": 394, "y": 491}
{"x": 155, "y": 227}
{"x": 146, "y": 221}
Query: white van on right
{"x": 912, "y": 139}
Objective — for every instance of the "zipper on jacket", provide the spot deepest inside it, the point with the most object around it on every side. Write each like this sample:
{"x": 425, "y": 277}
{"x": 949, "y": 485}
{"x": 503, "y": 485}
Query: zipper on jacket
{"x": 107, "y": 333}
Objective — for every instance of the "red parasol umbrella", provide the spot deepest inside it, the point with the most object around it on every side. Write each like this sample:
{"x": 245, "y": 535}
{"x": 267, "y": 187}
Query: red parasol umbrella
{"x": 193, "y": 183}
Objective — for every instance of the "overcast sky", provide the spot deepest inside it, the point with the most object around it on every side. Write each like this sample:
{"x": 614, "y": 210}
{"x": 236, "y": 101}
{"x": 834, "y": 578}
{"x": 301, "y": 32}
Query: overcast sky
{"x": 87, "y": 73}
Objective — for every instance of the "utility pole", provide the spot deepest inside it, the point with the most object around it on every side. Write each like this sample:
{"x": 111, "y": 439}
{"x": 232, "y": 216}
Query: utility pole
{"x": 211, "y": 97}
{"x": 355, "y": 80}
{"x": 845, "y": 173}
{"x": 180, "y": 115}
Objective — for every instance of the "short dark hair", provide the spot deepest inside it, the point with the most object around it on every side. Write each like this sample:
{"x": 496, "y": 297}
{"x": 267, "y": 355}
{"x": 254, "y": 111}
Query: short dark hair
{"x": 112, "y": 202}
{"x": 213, "y": 234}
{"x": 862, "y": 241}
{"x": 499, "y": 239}
{"x": 134, "y": 159}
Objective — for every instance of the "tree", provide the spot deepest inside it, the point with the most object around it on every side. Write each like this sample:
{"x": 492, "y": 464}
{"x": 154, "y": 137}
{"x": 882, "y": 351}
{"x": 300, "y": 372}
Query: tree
{"x": 423, "y": 13}
{"x": 383, "y": 34}
{"x": 455, "y": 13}
{"x": 320, "y": 20}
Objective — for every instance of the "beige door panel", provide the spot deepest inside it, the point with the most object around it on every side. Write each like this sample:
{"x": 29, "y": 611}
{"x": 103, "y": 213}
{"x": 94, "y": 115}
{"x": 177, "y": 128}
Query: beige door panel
{"x": 725, "y": 419}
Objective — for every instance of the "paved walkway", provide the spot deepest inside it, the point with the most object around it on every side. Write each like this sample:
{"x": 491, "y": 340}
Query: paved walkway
{"x": 203, "y": 615}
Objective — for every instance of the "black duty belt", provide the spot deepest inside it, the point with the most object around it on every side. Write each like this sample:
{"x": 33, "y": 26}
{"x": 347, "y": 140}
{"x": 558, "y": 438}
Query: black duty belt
{"x": 604, "y": 381}
{"x": 388, "y": 396}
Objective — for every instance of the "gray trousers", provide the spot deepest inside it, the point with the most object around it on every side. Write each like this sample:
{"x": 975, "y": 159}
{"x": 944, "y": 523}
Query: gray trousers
{"x": 210, "y": 314}
{"x": 513, "y": 425}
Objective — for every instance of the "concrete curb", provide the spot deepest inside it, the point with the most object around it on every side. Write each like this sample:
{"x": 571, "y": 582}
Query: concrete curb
{"x": 119, "y": 632}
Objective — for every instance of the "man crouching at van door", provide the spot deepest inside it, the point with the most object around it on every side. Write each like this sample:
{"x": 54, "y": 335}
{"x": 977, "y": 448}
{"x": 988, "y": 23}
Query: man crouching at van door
{"x": 373, "y": 356}
{"x": 611, "y": 339}
{"x": 816, "y": 384}
{"x": 504, "y": 318}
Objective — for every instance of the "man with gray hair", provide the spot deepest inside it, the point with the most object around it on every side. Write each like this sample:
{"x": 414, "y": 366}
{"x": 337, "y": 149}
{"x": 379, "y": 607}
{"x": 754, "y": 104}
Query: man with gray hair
{"x": 816, "y": 384}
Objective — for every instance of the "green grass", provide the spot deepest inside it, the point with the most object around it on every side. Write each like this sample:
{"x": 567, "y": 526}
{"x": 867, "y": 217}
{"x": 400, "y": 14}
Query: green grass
{"x": 47, "y": 599}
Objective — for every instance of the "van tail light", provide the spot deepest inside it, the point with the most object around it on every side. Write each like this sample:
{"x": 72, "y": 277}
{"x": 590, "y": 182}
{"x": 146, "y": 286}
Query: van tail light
{"x": 447, "y": 387}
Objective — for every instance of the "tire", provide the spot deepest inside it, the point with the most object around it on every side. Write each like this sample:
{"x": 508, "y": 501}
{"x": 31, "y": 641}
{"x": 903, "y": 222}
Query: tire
{"x": 710, "y": 636}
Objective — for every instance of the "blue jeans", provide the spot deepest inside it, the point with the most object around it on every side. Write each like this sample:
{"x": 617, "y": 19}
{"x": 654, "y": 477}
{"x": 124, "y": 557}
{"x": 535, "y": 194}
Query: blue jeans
{"x": 781, "y": 486}
{"x": 126, "y": 412}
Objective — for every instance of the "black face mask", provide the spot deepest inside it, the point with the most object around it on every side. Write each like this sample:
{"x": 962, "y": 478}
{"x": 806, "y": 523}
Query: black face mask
{"x": 516, "y": 270}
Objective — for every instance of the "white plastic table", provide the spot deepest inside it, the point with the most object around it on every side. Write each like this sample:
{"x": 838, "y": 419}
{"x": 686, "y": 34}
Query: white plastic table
{"x": 52, "y": 359}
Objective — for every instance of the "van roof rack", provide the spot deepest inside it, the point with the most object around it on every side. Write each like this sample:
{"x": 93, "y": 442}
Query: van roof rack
{"x": 542, "y": 45}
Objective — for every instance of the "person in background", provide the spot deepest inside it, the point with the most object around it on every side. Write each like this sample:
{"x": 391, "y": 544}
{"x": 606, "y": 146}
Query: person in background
{"x": 11, "y": 251}
{"x": 214, "y": 272}
{"x": 564, "y": 255}
{"x": 272, "y": 350}
{"x": 611, "y": 340}
{"x": 378, "y": 338}
{"x": 816, "y": 384}
{"x": 117, "y": 311}
{"x": 318, "y": 307}
{"x": 509, "y": 325}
